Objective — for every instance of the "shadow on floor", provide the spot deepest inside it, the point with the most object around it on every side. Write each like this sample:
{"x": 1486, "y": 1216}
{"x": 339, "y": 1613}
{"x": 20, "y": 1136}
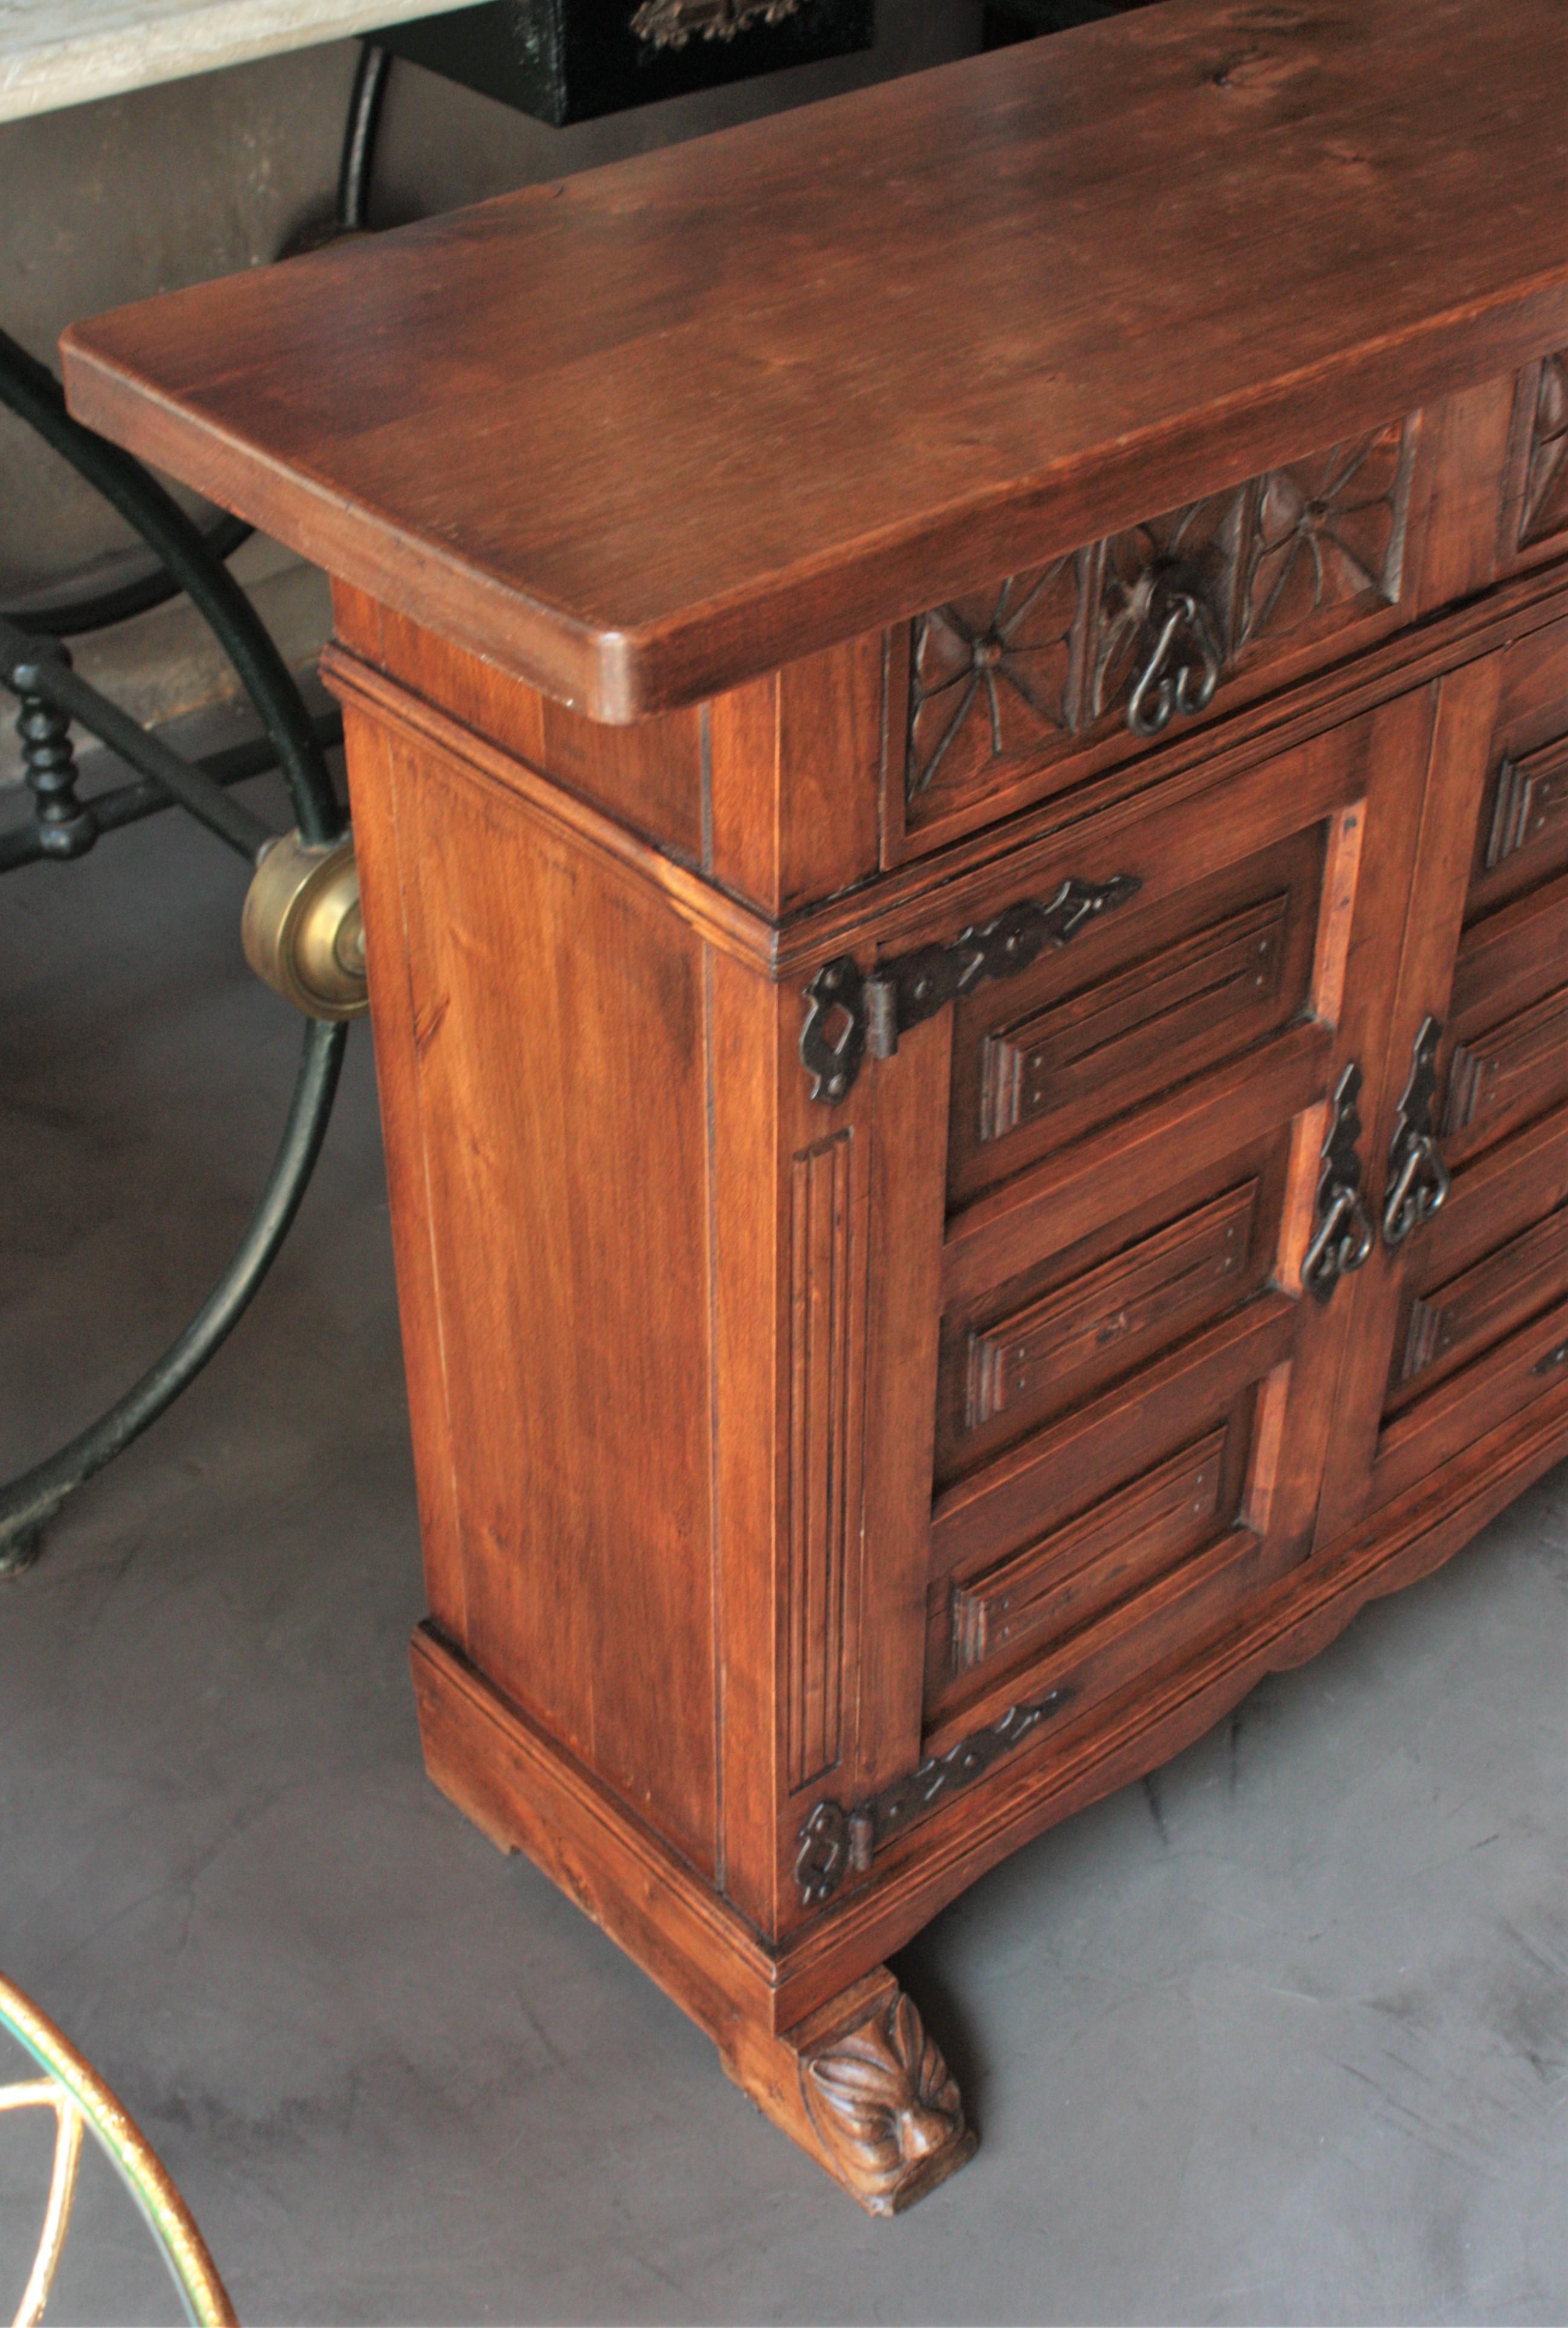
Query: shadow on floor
{"x": 1278, "y": 2037}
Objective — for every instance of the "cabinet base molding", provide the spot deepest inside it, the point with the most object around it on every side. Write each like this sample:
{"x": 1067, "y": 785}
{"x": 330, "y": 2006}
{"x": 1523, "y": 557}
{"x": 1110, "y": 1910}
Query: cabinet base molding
{"x": 818, "y": 2031}
{"x": 858, "y": 2082}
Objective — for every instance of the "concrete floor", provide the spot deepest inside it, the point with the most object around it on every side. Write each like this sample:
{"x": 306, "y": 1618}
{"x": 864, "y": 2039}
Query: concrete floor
{"x": 1277, "y": 2037}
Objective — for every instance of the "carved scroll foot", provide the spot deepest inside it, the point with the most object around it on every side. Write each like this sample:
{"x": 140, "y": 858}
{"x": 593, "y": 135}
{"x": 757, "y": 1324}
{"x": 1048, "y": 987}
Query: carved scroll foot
{"x": 863, "y": 2088}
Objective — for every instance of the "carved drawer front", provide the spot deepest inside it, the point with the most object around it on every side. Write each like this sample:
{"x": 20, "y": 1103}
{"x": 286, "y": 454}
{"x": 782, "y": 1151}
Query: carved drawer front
{"x": 1152, "y": 996}
{"x": 1453, "y": 1321}
{"x": 1098, "y": 651}
{"x": 1505, "y": 1073}
{"x": 1140, "y": 1537}
{"x": 1482, "y": 1313}
{"x": 1522, "y": 836}
{"x": 1466, "y": 1403}
{"x": 1075, "y": 1575}
{"x": 1538, "y": 487}
{"x": 1107, "y": 1305}
{"x": 1529, "y": 809}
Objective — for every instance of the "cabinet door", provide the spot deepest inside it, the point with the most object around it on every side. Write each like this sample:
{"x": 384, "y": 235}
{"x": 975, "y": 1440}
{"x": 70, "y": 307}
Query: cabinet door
{"x": 1135, "y": 1386}
{"x": 1460, "y": 1317}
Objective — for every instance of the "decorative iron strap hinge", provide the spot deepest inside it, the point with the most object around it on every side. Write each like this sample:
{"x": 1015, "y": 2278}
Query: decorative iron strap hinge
{"x": 851, "y": 1014}
{"x": 1342, "y": 1235}
{"x": 1418, "y": 1178}
{"x": 835, "y": 1842}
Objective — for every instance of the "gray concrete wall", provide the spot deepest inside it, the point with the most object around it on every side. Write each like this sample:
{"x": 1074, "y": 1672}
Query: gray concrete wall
{"x": 142, "y": 193}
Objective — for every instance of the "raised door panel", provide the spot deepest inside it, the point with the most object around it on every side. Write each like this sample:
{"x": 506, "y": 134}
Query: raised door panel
{"x": 1160, "y": 990}
{"x": 1521, "y": 836}
{"x": 1460, "y": 1314}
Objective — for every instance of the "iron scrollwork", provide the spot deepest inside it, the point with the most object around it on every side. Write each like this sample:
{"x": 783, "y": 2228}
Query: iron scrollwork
{"x": 1418, "y": 1178}
{"x": 916, "y": 986}
{"x": 850, "y": 1014}
{"x": 835, "y": 1842}
{"x": 1181, "y": 666}
{"x": 1343, "y": 1236}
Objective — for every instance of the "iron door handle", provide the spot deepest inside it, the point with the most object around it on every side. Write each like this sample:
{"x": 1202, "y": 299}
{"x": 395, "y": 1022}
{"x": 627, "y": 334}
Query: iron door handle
{"x": 1343, "y": 1236}
{"x": 1418, "y": 1179}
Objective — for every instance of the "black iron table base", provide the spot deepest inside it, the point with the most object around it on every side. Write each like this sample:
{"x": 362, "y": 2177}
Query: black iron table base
{"x": 301, "y": 923}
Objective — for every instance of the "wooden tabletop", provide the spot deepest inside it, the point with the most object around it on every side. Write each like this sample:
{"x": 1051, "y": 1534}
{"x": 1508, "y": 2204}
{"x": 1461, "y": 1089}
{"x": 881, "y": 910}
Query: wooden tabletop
{"x": 59, "y": 52}
{"x": 649, "y": 431}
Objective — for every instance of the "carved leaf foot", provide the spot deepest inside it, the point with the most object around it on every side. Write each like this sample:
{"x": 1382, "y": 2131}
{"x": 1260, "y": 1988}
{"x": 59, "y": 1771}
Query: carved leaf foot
{"x": 864, "y": 2088}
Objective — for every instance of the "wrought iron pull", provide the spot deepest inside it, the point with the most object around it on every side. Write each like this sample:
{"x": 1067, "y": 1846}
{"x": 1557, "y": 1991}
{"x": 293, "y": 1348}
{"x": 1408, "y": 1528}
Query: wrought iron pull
{"x": 1182, "y": 667}
{"x": 1343, "y": 1236}
{"x": 1418, "y": 1178}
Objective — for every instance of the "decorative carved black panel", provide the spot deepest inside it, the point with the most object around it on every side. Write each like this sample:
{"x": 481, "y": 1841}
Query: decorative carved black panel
{"x": 573, "y": 60}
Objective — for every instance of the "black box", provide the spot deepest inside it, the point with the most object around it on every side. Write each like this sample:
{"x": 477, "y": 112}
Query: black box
{"x": 572, "y": 60}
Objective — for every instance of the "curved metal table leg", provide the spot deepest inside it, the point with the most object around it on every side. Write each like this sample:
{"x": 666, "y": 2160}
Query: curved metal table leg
{"x": 191, "y": 561}
{"x": 29, "y": 1503}
{"x": 34, "y": 395}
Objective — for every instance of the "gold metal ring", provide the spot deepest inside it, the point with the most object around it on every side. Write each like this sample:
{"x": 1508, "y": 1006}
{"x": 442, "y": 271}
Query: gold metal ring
{"x": 302, "y": 929}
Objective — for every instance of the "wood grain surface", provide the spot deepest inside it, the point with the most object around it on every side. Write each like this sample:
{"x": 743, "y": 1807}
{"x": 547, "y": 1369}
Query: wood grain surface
{"x": 652, "y": 431}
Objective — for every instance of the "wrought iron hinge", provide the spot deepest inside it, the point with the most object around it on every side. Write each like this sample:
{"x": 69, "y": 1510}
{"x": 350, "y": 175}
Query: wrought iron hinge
{"x": 851, "y": 1014}
{"x": 835, "y": 1842}
{"x": 1181, "y": 667}
{"x": 1418, "y": 1178}
{"x": 1342, "y": 1235}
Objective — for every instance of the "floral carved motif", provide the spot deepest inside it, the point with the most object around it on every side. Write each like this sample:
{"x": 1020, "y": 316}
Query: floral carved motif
{"x": 1201, "y": 541}
{"x": 1018, "y": 672}
{"x": 885, "y": 2108}
{"x": 1326, "y": 532}
{"x": 1546, "y": 509}
{"x": 991, "y": 676}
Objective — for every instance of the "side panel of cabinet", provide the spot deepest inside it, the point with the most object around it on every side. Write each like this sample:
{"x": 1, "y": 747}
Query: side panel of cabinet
{"x": 545, "y": 1126}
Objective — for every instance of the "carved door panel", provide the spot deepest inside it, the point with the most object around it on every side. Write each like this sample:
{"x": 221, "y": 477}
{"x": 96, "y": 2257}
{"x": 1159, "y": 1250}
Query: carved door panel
{"x": 1461, "y": 1319}
{"x": 1134, "y": 1391}
{"x": 1144, "y": 1136}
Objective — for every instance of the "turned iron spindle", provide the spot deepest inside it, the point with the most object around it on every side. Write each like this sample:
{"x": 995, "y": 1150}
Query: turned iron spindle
{"x": 63, "y": 825}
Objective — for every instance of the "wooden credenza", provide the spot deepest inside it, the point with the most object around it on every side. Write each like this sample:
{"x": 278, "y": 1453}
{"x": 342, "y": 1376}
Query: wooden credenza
{"x": 957, "y": 715}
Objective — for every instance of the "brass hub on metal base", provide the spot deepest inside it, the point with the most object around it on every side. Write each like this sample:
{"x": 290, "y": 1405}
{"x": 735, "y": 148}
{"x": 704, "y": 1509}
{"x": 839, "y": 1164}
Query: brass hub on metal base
{"x": 302, "y": 928}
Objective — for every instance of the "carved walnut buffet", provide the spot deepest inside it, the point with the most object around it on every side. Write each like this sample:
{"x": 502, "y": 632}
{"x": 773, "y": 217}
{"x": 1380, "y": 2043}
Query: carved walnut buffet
{"x": 957, "y": 713}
